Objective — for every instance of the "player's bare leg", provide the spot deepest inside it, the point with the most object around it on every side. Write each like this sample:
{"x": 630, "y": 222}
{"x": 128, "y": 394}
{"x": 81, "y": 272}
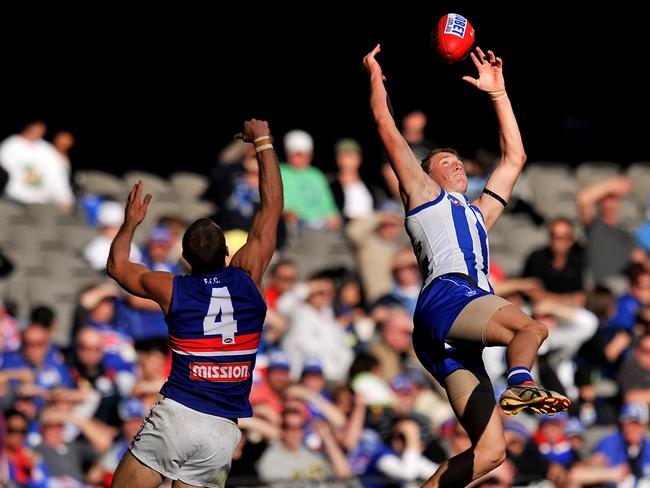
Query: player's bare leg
{"x": 131, "y": 472}
{"x": 181, "y": 484}
{"x": 522, "y": 336}
{"x": 478, "y": 414}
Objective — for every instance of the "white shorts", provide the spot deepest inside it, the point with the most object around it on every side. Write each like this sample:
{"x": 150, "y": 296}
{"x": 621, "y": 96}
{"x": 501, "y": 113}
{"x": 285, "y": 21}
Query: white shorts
{"x": 186, "y": 445}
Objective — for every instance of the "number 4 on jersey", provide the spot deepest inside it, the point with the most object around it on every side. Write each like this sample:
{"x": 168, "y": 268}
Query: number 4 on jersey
{"x": 220, "y": 308}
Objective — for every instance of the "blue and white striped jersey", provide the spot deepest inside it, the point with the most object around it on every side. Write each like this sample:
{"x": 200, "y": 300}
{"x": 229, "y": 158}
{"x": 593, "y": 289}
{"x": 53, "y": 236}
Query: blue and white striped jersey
{"x": 449, "y": 236}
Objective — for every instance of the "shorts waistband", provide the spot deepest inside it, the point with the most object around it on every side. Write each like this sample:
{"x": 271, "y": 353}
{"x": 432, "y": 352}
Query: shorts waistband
{"x": 462, "y": 276}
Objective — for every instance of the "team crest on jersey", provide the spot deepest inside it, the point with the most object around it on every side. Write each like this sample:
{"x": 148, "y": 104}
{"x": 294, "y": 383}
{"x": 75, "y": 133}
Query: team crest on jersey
{"x": 454, "y": 200}
{"x": 220, "y": 372}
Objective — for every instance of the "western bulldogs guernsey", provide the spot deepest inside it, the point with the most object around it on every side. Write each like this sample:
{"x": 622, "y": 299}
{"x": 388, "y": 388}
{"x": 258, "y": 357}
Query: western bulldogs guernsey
{"x": 215, "y": 323}
{"x": 449, "y": 236}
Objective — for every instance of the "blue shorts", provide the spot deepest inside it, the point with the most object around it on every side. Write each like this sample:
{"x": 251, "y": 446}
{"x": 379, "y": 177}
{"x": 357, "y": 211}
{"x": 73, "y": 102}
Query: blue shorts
{"x": 439, "y": 304}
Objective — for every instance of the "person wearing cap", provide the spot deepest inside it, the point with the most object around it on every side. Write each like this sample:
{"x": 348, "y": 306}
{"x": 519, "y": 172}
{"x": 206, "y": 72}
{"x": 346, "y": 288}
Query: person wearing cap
{"x": 109, "y": 218}
{"x": 553, "y": 441}
{"x": 156, "y": 253}
{"x": 530, "y": 465}
{"x": 307, "y": 196}
{"x": 352, "y": 195}
{"x": 622, "y": 456}
{"x": 270, "y": 390}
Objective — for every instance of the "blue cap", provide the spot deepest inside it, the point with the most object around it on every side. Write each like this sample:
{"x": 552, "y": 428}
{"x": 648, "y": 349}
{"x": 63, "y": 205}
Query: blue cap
{"x": 311, "y": 364}
{"x": 634, "y": 412}
{"x": 160, "y": 234}
{"x": 279, "y": 359}
{"x": 131, "y": 408}
{"x": 558, "y": 417}
{"x": 402, "y": 383}
{"x": 517, "y": 428}
{"x": 574, "y": 427}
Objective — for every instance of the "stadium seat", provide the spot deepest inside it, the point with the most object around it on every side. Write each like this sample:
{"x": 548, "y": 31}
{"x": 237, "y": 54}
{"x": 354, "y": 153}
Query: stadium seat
{"x": 100, "y": 183}
{"x": 590, "y": 172}
{"x": 553, "y": 187}
{"x": 189, "y": 186}
{"x": 639, "y": 173}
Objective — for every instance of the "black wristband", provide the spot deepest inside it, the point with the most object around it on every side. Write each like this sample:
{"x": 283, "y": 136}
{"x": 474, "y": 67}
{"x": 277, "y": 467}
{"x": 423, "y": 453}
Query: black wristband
{"x": 495, "y": 196}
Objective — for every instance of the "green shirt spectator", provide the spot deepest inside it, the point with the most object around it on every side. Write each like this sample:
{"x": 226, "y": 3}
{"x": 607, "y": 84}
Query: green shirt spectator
{"x": 307, "y": 195}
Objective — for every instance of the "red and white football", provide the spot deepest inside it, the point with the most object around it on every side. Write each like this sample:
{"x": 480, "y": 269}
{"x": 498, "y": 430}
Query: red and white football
{"x": 452, "y": 38}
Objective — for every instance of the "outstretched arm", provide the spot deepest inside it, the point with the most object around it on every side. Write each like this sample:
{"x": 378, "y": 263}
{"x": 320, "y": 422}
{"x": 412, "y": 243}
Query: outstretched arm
{"x": 255, "y": 255}
{"x": 415, "y": 185}
{"x": 133, "y": 277}
{"x": 513, "y": 156}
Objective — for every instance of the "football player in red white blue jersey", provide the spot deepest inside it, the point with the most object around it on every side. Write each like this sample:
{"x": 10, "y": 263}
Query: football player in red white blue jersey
{"x": 215, "y": 317}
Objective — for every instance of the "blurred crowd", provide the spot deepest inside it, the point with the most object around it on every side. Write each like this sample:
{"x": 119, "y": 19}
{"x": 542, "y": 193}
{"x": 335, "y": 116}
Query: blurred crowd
{"x": 339, "y": 398}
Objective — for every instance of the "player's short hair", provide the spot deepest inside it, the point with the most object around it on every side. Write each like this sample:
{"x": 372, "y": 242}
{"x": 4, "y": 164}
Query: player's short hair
{"x": 204, "y": 246}
{"x": 426, "y": 161}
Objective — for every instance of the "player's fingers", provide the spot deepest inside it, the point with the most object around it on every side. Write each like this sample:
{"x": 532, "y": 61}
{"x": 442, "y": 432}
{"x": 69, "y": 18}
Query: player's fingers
{"x": 475, "y": 60}
{"x": 239, "y": 135}
{"x": 491, "y": 57}
{"x": 481, "y": 54}
{"x": 499, "y": 62}
{"x": 472, "y": 81}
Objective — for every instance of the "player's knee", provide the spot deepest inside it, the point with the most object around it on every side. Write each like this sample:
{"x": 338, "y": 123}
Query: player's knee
{"x": 491, "y": 456}
{"x": 539, "y": 329}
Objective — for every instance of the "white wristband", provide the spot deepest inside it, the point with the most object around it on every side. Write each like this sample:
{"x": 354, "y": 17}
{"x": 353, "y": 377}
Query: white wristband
{"x": 261, "y": 138}
{"x": 263, "y": 146}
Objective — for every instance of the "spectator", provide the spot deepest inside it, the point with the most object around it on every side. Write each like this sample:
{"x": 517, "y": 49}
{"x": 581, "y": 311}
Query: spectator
{"x": 313, "y": 330}
{"x": 351, "y": 195}
{"x": 620, "y": 457}
{"x": 413, "y": 126}
{"x": 608, "y": 245}
{"x": 109, "y": 220}
{"x": 269, "y": 391}
{"x": 307, "y": 196}
{"x": 36, "y": 171}
{"x": 282, "y": 277}
{"x": 402, "y": 459}
{"x": 66, "y": 461}
{"x": 157, "y": 252}
{"x": 288, "y": 459}
{"x": 376, "y": 240}
{"x": 553, "y": 442}
{"x": 131, "y": 413}
{"x": 530, "y": 465}
{"x": 634, "y": 374}
{"x": 559, "y": 266}
{"x": 393, "y": 347}
{"x": 34, "y": 356}
{"x": 63, "y": 142}
{"x": 569, "y": 327}
{"x": 406, "y": 281}
{"x": 25, "y": 467}
{"x": 628, "y": 304}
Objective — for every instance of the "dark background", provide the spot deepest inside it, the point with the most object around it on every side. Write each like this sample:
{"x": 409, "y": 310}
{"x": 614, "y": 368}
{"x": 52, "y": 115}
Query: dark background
{"x": 165, "y": 89}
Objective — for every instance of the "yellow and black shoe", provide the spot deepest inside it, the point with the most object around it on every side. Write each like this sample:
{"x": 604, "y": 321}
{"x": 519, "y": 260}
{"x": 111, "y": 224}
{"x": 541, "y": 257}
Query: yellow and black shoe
{"x": 532, "y": 397}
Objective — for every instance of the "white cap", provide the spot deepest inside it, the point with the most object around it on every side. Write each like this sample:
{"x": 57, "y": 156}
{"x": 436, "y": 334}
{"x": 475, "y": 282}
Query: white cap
{"x": 111, "y": 214}
{"x": 298, "y": 141}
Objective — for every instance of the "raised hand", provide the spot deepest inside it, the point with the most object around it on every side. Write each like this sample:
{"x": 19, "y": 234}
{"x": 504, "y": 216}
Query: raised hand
{"x": 253, "y": 129}
{"x": 136, "y": 208}
{"x": 490, "y": 73}
{"x": 371, "y": 65}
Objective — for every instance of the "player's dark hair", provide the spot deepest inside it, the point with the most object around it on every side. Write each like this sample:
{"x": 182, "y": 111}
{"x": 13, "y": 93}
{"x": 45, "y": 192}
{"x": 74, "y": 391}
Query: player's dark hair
{"x": 204, "y": 247}
{"x": 426, "y": 161}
